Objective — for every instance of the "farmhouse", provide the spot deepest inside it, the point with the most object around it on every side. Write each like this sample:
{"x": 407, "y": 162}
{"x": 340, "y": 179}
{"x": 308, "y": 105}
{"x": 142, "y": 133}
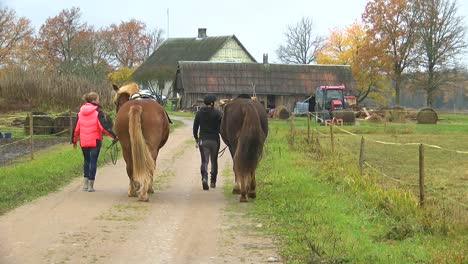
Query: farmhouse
{"x": 272, "y": 84}
{"x": 158, "y": 71}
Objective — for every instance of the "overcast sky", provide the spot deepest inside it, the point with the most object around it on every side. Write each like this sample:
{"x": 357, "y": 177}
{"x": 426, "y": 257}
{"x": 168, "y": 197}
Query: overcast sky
{"x": 258, "y": 24}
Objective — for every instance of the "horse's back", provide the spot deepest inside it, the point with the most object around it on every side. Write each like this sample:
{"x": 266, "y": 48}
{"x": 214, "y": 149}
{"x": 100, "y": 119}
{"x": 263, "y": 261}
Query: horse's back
{"x": 154, "y": 121}
{"x": 234, "y": 115}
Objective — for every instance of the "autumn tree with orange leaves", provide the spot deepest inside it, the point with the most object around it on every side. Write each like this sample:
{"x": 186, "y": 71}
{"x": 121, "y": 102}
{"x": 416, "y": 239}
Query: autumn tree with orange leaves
{"x": 131, "y": 43}
{"x": 15, "y": 35}
{"x": 58, "y": 41}
{"x": 351, "y": 47}
{"x": 391, "y": 28}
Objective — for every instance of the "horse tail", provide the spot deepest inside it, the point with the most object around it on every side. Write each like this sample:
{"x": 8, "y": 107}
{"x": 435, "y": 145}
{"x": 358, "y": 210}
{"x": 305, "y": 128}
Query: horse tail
{"x": 249, "y": 144}
{"x": 143, "y": 163}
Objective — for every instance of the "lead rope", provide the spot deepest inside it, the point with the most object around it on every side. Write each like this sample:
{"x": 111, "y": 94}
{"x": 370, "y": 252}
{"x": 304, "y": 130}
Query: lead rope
{"x": 220, "y": 153}
{"x": 114, "y": 151}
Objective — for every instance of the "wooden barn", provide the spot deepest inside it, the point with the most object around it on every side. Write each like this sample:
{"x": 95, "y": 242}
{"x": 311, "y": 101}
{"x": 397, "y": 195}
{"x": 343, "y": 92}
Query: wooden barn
{"x": 158, "y": 71}
{"x": 272, "y": 84}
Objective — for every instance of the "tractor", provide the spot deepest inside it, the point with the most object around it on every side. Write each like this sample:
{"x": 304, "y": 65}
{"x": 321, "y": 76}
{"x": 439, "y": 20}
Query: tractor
{"x": 330, "y": 103}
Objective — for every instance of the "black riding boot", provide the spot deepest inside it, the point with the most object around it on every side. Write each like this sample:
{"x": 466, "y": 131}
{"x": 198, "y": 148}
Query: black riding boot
{"x": 213, "y": 181}
{"x": 205, "y": 182}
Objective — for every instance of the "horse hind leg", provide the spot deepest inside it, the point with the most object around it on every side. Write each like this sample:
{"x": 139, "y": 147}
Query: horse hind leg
{"x": 132, "y": 188}
{"x": 151, "y": 188}
{"x": 143, "y": 191}
{"x": 243, "y": 189}
{"x": 151, "y": 180}
{"x": 236, "y": 188}
{"x": 252, "y": 193}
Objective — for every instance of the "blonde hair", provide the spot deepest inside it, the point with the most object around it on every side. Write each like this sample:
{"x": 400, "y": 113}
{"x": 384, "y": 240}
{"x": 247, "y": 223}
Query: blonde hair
{"x": 90, "y": 97}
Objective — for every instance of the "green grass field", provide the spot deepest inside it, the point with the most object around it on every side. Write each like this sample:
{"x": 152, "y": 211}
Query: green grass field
{"x": 322, "y": 209}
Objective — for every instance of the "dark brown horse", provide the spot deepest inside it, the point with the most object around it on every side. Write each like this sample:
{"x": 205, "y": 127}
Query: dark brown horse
{"x": 143, "y": 128}
{"x": 244, "y": 128}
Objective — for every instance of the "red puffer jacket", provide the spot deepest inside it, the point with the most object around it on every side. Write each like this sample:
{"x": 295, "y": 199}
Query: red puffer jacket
{"x": 89, "y": 127}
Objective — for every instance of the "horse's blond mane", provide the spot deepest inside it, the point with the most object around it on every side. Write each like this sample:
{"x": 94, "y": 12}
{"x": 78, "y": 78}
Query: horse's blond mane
{"x": 128, "y": 89}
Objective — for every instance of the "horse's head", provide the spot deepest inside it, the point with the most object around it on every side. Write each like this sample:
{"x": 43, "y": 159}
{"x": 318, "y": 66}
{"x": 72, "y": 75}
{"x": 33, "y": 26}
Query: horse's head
{"x": 123, "y": 94}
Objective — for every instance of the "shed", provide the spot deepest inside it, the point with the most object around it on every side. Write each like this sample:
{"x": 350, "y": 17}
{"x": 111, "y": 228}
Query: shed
{"x": 273, "y": 84}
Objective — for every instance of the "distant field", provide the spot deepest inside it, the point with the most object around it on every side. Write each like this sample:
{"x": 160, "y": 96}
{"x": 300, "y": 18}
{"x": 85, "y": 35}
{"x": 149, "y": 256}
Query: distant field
{"x": 446, "y": 171}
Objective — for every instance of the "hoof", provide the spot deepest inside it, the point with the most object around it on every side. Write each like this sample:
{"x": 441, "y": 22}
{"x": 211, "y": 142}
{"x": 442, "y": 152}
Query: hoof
{"x": 151, "y": 190}
{"x": 252, "y": 195}
{"x": 243, "y": 199}
{"x": 143, "y": 198}
{"x": 235, "y": 191}
{"x": 132, "y": 194}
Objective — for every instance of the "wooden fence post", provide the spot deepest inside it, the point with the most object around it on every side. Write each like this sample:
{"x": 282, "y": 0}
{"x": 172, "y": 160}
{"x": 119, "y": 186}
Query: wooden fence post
{"x": 71, "y": 122}
{"x": 361, "y": 156}
{"x": 31, "y": 133}
{"x": 318, "y": 148}
{"x": 331, "y": 138}
{"x": 421, "y": 175}
{"x": 308, "y": 127}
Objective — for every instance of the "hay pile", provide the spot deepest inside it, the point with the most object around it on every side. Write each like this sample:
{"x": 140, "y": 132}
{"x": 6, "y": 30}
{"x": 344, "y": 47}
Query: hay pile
{"x": 375, "y": 118}
{"x": 281, "y": 112}
{"x": 397, "y": 114}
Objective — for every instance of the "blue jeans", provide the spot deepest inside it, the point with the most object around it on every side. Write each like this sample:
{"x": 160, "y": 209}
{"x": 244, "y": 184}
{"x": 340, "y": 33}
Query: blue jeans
{"x": 90, "y": 160}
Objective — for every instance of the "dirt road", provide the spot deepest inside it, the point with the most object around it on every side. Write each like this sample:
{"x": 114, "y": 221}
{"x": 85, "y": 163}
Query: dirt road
{"x": 180, "y": 224}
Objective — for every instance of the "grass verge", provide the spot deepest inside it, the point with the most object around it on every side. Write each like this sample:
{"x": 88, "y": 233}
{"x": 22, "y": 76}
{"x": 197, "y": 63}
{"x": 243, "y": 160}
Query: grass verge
{"x": 324, "y": 211}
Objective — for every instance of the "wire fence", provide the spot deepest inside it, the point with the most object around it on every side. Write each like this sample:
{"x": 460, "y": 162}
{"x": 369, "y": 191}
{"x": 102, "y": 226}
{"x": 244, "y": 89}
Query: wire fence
{"x": 22, "y": 135}
{"x": 435, "y": 172}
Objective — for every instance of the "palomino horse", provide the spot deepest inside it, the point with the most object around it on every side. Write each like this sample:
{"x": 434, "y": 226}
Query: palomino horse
{"x": 143, "y": 128}
{"x": 244, "y": 128}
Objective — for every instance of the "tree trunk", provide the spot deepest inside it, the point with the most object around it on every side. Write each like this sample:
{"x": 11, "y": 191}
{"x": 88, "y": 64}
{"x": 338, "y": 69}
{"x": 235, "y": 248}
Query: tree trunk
{"x": 397, "y": 91}
{"x": 429, "y": 99}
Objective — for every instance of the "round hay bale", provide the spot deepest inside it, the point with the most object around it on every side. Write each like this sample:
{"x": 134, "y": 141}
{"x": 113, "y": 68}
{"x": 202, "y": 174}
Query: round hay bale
{"x": 281, "y": 112}
{"x": 348, "y": 116}
{"x": 375, "y": 118}
{"x": 427, "y": 115}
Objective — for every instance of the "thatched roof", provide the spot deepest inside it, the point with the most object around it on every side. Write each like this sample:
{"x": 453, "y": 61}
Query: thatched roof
{"x": 173, "y": 50}
{"x": 279, "y": 79}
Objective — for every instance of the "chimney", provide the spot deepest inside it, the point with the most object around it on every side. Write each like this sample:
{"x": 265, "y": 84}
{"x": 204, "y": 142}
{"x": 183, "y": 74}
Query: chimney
{"x": 201, "y": 33}
{"x": 265, "y": 58}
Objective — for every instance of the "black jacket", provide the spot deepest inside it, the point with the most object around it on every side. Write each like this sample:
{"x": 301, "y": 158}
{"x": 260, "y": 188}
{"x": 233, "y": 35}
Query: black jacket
{"x": 208, "y": 120}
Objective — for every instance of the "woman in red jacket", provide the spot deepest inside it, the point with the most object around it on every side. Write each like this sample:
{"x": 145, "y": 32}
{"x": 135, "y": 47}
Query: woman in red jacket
{"x": 90, "y": 124}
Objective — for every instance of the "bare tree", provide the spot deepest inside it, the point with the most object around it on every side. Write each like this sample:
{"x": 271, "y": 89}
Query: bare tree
{"x": 301, "y": 44}
{"x": 442, "y": 34}
{"x": 154, "y": 40}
